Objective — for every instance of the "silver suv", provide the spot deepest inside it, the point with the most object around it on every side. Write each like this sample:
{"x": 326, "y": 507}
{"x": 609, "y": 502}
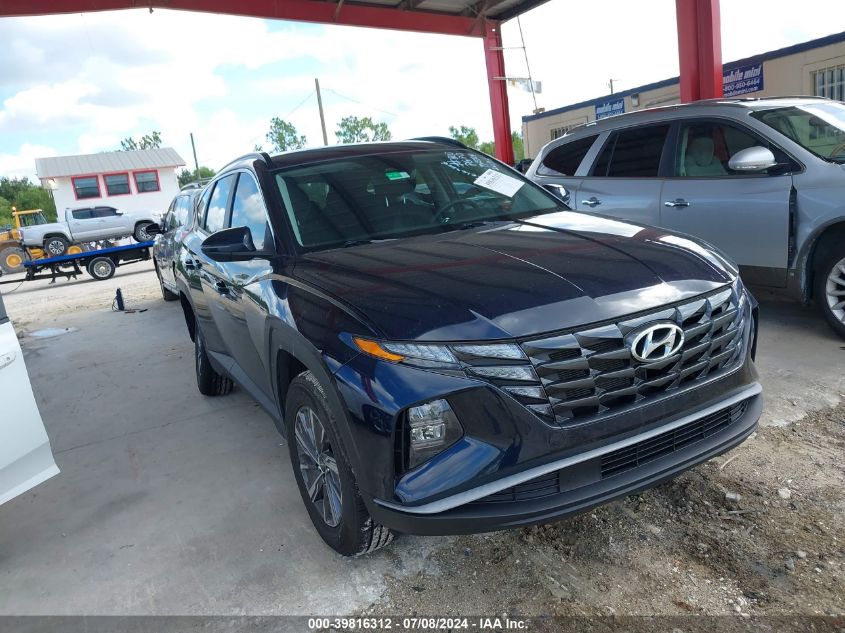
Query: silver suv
{"x": 762, "y": 179}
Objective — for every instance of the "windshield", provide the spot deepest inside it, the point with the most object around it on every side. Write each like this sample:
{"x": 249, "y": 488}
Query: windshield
{"x": 817, "y": 127}
{"x": 32, "y": 219}
{"x": 360, "y": 199}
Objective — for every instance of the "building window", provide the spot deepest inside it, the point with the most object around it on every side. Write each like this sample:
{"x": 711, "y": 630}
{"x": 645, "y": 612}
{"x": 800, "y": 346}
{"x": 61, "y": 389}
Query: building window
{"x": 560, "y": 131}
{"x": 117, "y": 184}
{"x": 830, "y": 83}
{"x": 86, "y": 187}
{"x": 146, "y": 181}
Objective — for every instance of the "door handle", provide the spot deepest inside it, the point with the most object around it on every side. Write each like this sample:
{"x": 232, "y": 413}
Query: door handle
{"x": 6, "y": 359}
{"x": 592, "y": 202}
{"x": 676, "y": 203}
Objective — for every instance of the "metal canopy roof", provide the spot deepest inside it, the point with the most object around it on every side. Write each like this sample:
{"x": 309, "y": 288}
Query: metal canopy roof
{"x": 104, "y": 162}
{"x": 452, "y": 17}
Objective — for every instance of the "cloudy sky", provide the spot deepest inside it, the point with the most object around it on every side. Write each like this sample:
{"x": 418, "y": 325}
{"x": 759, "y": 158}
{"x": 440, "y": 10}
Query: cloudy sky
{"x": 80, "y": 83}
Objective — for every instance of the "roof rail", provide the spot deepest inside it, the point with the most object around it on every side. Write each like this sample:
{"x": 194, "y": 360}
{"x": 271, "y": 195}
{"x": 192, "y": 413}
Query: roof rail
{"x": 264, "y": 157}
{"x": 440, "y": 139}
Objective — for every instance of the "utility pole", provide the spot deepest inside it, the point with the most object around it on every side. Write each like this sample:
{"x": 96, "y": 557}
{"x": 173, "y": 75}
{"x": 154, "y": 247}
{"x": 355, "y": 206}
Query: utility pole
{"x": 320, "y": 106}
{"x": 196, "y": 162}
{"x": 610, "y": 84}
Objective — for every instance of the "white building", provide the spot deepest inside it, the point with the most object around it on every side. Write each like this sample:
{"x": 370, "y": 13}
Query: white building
{"x": 135, "y": 180}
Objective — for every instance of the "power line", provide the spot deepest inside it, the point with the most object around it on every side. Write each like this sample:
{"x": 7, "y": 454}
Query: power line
{"x": 360, "y": 102}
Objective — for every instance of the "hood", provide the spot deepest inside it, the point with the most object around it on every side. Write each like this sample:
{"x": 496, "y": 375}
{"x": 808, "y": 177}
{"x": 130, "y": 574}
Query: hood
{"x": 514, "y": 279}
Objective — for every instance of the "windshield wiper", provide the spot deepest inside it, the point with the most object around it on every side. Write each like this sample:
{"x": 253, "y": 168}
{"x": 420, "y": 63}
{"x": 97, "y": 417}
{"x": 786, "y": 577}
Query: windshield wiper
{"x": 349, "y": 243}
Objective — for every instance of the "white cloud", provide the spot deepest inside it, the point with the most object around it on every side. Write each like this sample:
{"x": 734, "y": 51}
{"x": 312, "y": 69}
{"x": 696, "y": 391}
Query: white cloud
{"x": 93, "y": 79}
{"x": 22, "y": 162}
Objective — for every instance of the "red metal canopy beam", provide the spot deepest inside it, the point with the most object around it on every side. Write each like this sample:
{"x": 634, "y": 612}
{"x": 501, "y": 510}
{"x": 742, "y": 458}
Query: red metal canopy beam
{"x": 699, "y": 49}
{"x": 298, "y": 10}
{"x": 369, "y": 16}
{"x": 495, "y": 58}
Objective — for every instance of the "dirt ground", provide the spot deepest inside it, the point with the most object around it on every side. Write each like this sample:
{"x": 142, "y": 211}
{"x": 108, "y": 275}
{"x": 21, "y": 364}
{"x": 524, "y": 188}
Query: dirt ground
{"x": 682, "y": 548}
{"x": 688, "y": 547}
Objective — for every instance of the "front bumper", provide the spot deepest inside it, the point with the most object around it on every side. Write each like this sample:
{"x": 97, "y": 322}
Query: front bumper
{"x": 581, "y": 482}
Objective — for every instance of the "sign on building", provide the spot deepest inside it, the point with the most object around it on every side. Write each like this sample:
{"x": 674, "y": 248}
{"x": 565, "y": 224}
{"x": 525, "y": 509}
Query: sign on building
{"x": 610, "y": 108}
{"x": 742, "y": 80}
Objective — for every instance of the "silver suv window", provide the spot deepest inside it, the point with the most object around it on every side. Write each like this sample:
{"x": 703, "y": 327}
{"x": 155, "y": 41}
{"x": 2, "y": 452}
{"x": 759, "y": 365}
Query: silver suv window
{"x": 818, "y": 127}
{"x": 633, "y": 152}
{"x": 564, "y": 159}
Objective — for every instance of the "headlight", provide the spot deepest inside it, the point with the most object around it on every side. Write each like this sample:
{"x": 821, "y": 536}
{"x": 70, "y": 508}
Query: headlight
{"x": 432, "y": 427}
{"x": 434, "y": 354}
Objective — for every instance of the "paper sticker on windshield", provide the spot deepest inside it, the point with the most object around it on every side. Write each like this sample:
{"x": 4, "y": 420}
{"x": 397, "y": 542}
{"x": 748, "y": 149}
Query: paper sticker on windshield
{"x": 397, "y": 175}
{"x": 499, "y": 182}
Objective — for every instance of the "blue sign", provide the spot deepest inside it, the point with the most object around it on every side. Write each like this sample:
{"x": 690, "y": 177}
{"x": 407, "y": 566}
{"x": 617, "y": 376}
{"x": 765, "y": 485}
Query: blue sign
{"x": 610, "y": 108}
{"x": 742, "y": 80}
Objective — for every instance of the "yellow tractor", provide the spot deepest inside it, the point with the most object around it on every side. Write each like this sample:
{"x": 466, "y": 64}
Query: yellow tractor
{"x": 12, "y": 252}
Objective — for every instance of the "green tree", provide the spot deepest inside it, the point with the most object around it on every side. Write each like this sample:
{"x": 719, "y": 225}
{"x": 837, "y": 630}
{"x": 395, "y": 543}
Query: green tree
{"x": 464, "y": 134}
{"x": 488, "y": 147}
{"x": 148, "y": 141}
{"x": 23, "y": 194}
{"x": 283, "y": 136}
{"x": 5, "y": 212}
{"x": 190, "y": 175}
{"x": 353, "y": 129}
{"x": 518, "y": 146}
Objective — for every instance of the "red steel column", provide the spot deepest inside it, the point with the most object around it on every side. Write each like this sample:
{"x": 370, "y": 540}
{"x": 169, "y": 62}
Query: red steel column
{"x": 495, "y": 58}
{"x": 699, "y": 49}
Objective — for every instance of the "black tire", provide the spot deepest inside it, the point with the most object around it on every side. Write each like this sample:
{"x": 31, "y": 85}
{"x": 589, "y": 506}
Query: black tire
{"x": 55, "y": 246}
{"x": 166, "y": 294}
{"x": 12, "y": 259}
{"x": 140, "y": 233}
{"x": 355, "y": 532}
{"x": 101, "y": 268}
{"x": 209, "y": 382}
{"x": 830, "y": 278}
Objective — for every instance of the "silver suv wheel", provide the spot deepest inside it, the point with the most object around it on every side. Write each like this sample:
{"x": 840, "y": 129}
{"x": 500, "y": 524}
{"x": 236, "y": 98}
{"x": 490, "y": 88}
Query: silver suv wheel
{"x": 835, "y": 290}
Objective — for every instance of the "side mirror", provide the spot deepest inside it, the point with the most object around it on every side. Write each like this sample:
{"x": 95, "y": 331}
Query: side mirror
{"x": 752, "y": 159}
{"x": 154, "y": 229}
{"x": 233, "y": 245}
{"x": 559, "y": 191}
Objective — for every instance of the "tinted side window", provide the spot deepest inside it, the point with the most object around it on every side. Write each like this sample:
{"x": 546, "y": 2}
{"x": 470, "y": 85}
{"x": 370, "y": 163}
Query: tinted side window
{"x": 104, "y": 212}
{"x": 248, "y": 210}
{"x": 215, "y": 216}
{"x": 81, "y": 214}
{"x": 565, "y": 159}
{"x": 633, "y": 153}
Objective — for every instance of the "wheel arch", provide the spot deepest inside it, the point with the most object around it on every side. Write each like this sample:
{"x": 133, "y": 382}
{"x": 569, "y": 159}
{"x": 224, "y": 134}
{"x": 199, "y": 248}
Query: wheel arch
{"x": 190, "y": 317}
{"x": 819, "y": 245}
{"x": 291, "y": 354}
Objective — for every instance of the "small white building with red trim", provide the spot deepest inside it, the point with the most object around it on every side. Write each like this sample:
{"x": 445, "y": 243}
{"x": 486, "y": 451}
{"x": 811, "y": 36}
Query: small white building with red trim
{"x": 134, "y": 180}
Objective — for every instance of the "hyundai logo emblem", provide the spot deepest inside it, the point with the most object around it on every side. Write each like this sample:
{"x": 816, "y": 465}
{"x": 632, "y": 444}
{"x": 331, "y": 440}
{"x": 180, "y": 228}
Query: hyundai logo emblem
{"x": 657, "y": 342}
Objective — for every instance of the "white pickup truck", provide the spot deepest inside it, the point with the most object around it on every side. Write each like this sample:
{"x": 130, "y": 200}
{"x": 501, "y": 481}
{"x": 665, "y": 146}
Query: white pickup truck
{"x": 88, "y": 224}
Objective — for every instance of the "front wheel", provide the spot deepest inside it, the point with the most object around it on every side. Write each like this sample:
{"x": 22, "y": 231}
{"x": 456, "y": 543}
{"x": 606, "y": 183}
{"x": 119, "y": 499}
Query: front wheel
{"x": 141, "y": 234}
{"x": 55, "y": 246}
{"x": 323, "y": 473}
{"x": 12, "y": 259}
{"x": 830, "y": 289}
{"x": 209, "y": 382}
{"x": 166, "y": 294}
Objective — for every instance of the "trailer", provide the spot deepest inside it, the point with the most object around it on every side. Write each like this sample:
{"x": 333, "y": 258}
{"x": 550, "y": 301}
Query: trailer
{"x": 100, "y": 264}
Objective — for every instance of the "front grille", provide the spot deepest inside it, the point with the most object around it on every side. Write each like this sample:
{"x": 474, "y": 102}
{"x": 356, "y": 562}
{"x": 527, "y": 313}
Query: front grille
{"x": 627, "y": 458}
{"x": 589, "y": 373}
{"x": 670, "y": 441}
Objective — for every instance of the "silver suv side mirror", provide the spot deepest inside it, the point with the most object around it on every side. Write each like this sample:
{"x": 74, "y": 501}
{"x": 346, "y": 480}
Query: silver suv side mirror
{"x": 752, "y": 159}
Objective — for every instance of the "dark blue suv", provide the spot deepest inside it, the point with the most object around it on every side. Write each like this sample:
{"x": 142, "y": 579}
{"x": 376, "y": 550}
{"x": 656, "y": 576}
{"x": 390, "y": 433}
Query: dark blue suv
{"x": 449, "y": 349}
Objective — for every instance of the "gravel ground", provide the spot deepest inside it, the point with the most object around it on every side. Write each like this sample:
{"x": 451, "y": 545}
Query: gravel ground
{"x": 682, "y": 548}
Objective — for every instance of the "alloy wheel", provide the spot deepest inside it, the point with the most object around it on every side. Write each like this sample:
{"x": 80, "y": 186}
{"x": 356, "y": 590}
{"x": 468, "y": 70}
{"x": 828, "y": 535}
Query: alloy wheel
{"x": 318, "y": 466}
{"x": 835, "y": 290}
